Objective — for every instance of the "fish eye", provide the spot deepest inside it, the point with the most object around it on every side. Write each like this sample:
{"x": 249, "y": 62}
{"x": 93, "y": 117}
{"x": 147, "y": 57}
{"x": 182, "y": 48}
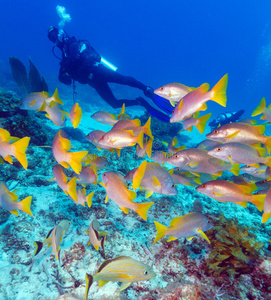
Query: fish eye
{"x": 161, "y": 88}
{"x": 209, "y": 222}
{"x": 172, "y": 185}
{"x": 218, "y": 149}
{"x": 203, "y": 185}
{"x": 176, "y": 155}
{"x": 146, "y": 272}
{"x": 216, "y": 131}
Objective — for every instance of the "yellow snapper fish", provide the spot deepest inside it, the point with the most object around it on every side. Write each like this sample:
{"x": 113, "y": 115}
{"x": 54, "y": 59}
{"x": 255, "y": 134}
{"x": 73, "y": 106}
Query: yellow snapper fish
{"x": 172, "y": 146}
{"x": 196, "y": 100}
{"x": 258, "y": 170}
{"x": 34, "y": 101}
{"x": 12, "y": 146}
{"x": 94, "y": 160}
{"x": 173, "y": 92}
{"x": 108, "y": 118}
{"x": 61, "y": 147}
{"x": 186, "y": 226}
{"x": 153, "y": 178}
{"x": 198, "y": 122}
{"x": 241, "y": 133}
{"x": 135, "y": 126}
{"x": 94, "y": 136}
{"x": 75, "y": 115}
{"x": 117, "y": 138}
{"x": 225, "y": 191}
{"x": 82, "y": 198}
{"x": 147, "y": 148}
{"x": 207, "y": 144}
{"x": 69, "y": 188}
{"x": 262, "y": 109}
{"x": 267, "y": 207}
{"x": 88, "y": 175}
{"x": 240, "y": 180}
{"x": 197, "y": 160}
{"x": 54, "y": 112}
{"x": 159, "y": 157}
{"x": 118, "y": 193}
{"x": 241, "y": 154}
{"x": 54, "y": 238}
{"x": 123, "y": 269}
{"x": 96, "y": 237}
{"x": 9, "y": 201}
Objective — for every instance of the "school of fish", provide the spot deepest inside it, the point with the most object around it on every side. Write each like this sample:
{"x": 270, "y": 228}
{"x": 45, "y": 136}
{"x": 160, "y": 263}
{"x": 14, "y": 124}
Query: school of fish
{"x": 230, "y": 148}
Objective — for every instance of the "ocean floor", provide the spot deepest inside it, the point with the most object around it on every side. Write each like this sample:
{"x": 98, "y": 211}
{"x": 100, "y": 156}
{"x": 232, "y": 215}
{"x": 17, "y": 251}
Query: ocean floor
{"x": 236, "y": 265}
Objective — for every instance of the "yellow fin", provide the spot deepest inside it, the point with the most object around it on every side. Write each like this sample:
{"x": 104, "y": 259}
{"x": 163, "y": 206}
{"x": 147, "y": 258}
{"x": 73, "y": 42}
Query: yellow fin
{"x": 124, "y": 209}
{"x": 260, "y": 108}
{"x": 219, "y": 91}
{"x": 266, "y": 216}
{"x": 148, "y": 194}
{"x": 233, "y": 135}
{"x": 71, "y": 186}
{"x": 142, "y": 209}
{"x": 175, "y": 221}
{"x": 203, "y": 107}
{"x": 202, "y": 122}
{"x": 106, "y": 198}
{"x": 75, "y": 160}
{"x": 172, "y": 238}
{"x": 139, "y": 174}
{"x": 161, "y": 231}
{"x": 20, "y": 148}
{"x": 124, "y": 285}
{"x": 244, "y": 203}
{"x": 25, "y": 205}
{"x": 14, "y": 212}
{"x": 203, "y": 235}
{"x": 102, "y": 283}
{"x": 155, "y": 181}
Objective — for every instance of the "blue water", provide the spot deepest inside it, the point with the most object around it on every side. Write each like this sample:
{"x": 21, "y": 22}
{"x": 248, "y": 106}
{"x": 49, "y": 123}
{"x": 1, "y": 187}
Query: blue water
{"x": 155, "y": 41}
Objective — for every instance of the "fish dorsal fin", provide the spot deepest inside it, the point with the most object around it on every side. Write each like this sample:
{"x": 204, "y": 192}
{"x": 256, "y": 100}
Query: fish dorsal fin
{"x": 175, "y": 221}
{"x": 4, "y": 135}
{"x": 204, "y": 88}
{"x": 261, "y": 128}
{"x": 203, "y": 235}
{"x": 172, "y": 238}
{"x": 245, "y": 189}
{"x": 190, "y": 238}
{"x": 233, "y": 135}
{"x": 155, "y": 182}
{"x": 105, "y": 263}
{"x": 49, "y": 233}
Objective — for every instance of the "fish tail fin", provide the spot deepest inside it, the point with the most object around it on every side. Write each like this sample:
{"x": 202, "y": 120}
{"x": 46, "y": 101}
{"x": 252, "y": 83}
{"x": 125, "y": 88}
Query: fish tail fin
{"x": 268, "y": 161}
{"x": 142, "y": 209}
{"x": 149, "y": 147}
{"x": 20, "y": 148}
{"x": 77, "y": 113}
{"x": 25, "y": 205}
{"x": 161, "y": 231}
{"x": 89, "y": 281}
{"x": 140, "y": 139}
{"x": 266, "y": 216}
{"x": 202, "y": 123}
{"x": 71, "y": 185}
{"x": 258, "y": 201}
{"x": 147, "y": 128}
{"x": 260, "y": 108}
{"x": 56, "y": 97}
{"x": 38, "y": 247}
{"x": 89, "y": 199}
{"x": 219, "y": 91}
{"x": 75, "y": 160}
{"x": 268, "y": 144}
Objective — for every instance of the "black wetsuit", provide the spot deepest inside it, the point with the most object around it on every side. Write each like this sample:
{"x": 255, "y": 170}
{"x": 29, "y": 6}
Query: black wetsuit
{"x": 80, "y": 62}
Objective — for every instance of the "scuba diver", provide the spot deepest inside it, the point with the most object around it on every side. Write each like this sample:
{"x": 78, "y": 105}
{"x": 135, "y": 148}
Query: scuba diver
{"x": 226, "y": 118}
{"x": 80, "y": 62}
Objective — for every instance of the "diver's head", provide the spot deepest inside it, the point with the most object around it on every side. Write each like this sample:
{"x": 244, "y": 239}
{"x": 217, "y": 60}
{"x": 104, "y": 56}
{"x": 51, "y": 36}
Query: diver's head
{"x": 53, "y": 34}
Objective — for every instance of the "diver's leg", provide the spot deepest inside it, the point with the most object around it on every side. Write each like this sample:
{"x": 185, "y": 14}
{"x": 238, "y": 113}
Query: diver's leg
{"x": 108, "y": 75}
